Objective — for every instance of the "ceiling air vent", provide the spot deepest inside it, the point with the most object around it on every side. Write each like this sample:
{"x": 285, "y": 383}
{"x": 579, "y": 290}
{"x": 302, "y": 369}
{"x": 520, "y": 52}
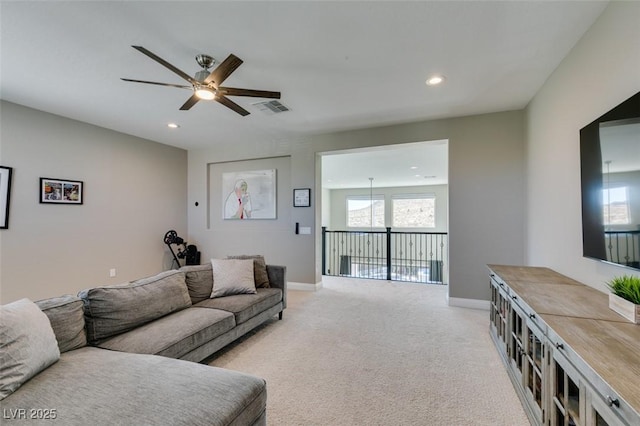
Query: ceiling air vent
{"x": 271, "y": 107}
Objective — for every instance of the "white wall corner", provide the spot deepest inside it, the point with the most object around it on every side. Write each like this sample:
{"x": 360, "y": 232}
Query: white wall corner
{"x": 304, "y": 286}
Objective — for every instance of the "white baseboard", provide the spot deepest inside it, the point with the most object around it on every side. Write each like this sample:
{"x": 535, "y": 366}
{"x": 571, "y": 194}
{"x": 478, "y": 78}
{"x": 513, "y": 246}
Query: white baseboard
{"x": 469, "y": 303}
{"x": 304, "y": 286}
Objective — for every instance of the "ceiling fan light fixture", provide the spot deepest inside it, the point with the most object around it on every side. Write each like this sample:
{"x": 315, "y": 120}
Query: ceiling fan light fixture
{"x": 206, "y": 86}
{"x": 205, "y": 93}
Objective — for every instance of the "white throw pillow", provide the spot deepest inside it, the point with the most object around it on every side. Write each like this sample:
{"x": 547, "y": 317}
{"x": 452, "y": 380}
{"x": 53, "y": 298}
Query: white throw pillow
{"x": 27, "y": 344}
{"x": 232, "y": 276}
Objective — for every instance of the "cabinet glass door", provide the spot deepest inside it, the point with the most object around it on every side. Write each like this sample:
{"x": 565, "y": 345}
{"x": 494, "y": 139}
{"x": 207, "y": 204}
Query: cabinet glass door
{"x": 494, "y": 306}
{"x": 567, "y": 392}
{"x": 504, "y": 316}
{"x": 534, "y": 367}
{"x": 500, "y": 308}
{"x": 516, "y": 347}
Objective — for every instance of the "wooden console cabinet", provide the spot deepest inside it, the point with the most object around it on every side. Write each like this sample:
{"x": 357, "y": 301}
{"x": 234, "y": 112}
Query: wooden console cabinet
{"x": 572, "y": 360}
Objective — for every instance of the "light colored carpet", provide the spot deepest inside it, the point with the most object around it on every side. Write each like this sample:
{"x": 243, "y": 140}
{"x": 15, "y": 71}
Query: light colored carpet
{"x": 365, "y": 352}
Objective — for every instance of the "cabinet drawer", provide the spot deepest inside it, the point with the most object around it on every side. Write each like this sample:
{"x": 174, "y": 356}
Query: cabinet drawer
{"x": 561, "y": 347}
{"x": 499, "y": 282}
{"x": 529, "y": 313}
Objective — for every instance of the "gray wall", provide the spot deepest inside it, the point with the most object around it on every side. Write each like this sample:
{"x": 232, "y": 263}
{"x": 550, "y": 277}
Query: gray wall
{"x": 601, "y": 71}
{"x": 276, "y": 239}
{"x": 232, "y": 237}
{"x": 134, "y": 191}
{"x": 486, "y": 181}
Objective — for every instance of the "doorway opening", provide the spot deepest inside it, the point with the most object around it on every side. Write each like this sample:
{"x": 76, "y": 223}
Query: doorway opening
{"x": 385, "y": 212}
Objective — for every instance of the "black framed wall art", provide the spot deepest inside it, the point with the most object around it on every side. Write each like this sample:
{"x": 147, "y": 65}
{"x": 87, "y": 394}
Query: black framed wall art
{"x": 302, "y": 197}
{"x": 61, "y": 191}
{"x": 5, "y": 195}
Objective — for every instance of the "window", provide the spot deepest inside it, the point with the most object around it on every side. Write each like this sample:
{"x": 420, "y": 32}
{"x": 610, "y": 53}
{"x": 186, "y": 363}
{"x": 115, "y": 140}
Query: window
{"x": 615, "y": 202}
{"x": 360, "y": 211}
{"x": 414, "y": 211}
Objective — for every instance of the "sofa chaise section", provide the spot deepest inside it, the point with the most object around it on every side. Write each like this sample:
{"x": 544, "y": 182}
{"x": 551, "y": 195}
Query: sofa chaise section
{"x": 100, "y": 387}
{"x": 90, "y": 385}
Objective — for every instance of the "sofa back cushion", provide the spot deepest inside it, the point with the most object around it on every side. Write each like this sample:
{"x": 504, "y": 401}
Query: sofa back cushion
{"x": 66, "y": 315}
{"x": 27, "y": 344}
{"x": 112, "y": 310}
{"x": 199, "y": 281}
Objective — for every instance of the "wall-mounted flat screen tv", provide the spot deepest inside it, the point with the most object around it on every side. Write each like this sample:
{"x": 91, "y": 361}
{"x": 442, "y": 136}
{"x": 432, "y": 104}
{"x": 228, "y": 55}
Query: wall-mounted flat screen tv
{"x": 610, "y": 177}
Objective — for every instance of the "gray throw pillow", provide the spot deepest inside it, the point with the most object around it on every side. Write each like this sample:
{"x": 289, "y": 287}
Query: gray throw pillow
{"x": 27, "y": 344}
{"x": 259, "y": 269}
{"x": 232, "y": 276}
{"x": 199, "y": 280}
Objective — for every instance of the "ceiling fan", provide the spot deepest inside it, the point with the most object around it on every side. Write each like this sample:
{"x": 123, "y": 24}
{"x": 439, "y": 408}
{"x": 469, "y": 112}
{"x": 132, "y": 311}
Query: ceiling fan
{"x": 207, "y": 86}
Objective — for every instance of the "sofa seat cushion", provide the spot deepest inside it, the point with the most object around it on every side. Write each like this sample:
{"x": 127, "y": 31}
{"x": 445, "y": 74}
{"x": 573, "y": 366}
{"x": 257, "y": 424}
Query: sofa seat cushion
{"x": 173, "y": 335}
{"x": 98, "y": 387}
{"x": 112, "y": 310}
{"x": 245, "y": 306}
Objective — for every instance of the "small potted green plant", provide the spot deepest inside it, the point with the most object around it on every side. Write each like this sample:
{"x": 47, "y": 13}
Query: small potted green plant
{"x": 625, "y": 296}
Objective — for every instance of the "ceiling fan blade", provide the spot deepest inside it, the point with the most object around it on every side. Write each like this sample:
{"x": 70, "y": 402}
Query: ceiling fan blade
{"x": 190, "y": 102}
{"x": 159, "y": 84}
{"x": 166, "y": 64}
{"x": 223, "y": 70}
{"x": 234, "y": 91}
{"x": 230, "y": 104}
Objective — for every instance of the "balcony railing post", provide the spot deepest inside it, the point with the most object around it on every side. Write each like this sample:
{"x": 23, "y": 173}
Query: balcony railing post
{"x": 388, "y": 255}
{"x": 324, "y": 250}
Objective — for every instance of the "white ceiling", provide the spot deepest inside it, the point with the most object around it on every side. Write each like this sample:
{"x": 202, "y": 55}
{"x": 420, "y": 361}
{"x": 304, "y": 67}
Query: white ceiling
{"x": 340, "y": 65}
{"x": 414, "y": 164}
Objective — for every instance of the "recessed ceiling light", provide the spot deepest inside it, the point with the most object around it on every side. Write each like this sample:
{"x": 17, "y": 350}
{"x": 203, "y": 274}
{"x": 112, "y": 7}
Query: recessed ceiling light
{"x": 413, "y": 167}
{"x": 173, "y": 125}
{"x": 434, "y": 80}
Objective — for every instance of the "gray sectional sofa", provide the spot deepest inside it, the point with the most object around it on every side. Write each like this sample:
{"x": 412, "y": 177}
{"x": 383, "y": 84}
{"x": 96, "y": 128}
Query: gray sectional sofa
{"x": 124, "y": 354}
